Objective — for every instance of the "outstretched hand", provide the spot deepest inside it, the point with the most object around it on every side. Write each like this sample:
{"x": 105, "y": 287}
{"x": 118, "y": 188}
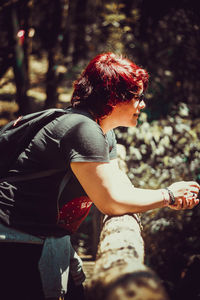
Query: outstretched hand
{"x": 185, "y": 193}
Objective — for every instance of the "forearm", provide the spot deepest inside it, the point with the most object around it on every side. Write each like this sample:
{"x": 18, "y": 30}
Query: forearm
{"x": 128, "y": 199}
{"x": 123, "y": 197}
{"x": 135, "y": 201}
{"x": 114, "y": 194}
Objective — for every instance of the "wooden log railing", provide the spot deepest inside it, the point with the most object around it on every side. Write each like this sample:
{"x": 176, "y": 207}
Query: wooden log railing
{"x": 119, "y": 271}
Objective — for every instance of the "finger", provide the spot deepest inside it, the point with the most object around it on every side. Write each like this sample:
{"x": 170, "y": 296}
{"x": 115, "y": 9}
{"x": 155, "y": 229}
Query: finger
{"x": 194, "y": 190}
{"x": 180, "y": 203}
{"x": 185, "y": 201}
{"x": 192, "y": 202}
{"x": 188, "y": 201}
{"x": 194, "y": 184}
{"x": 192, "y": 195}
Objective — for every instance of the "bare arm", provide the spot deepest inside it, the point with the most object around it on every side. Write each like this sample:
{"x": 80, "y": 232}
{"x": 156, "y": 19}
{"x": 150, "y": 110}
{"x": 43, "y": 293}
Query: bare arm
{"x": 113, "y": 193}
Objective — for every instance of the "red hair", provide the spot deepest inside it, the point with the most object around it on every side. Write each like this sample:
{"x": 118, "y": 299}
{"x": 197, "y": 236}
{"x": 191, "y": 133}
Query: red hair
{"x": 107, "y": 80}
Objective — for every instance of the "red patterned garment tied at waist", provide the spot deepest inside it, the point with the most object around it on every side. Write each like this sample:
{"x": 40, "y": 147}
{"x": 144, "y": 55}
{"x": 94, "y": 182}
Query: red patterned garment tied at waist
{"x": 74, "y": 212}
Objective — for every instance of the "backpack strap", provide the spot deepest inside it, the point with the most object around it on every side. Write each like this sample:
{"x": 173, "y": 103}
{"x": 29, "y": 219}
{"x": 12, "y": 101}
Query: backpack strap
{"x": 26, "y": 177}
{"x": 41, "y": 174}
{"x": 63, "y": 183}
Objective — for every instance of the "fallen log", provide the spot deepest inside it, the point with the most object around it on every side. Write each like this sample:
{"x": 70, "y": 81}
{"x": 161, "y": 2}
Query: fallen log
{"x": 120, "y": 272}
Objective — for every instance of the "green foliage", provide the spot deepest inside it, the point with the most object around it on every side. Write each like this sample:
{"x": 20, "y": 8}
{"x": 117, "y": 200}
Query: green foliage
{"x": 172, "y": 244}
{"x": 158, "y": 154}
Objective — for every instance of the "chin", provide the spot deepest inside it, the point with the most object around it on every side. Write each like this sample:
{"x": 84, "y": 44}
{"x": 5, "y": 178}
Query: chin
{"x": 134, "y": 123}
{"x": 131, "y": 124}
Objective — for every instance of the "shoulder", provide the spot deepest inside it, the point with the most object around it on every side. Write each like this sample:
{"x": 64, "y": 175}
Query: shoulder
{"x": 112, "y": 142}
{"x": 111, "y": 136}
{"x": 84, "y": 139}
{"x": 81, "y": 124}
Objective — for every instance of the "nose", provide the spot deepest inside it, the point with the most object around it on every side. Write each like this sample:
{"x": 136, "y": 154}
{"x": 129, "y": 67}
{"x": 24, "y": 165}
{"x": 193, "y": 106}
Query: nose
{"x": 142, "y": 104}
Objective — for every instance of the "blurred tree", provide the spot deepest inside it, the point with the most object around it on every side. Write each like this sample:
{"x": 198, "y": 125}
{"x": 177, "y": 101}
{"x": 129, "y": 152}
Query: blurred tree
{"x": 49, "y": 29}
{"x": 5, "y": 50}
{"x": 80, "y": 19}
{"x": 16, "y": 29}
{"x": 81, "y": 36}
{"x": 167, "y": 44}
{"x": 74, "y": 42}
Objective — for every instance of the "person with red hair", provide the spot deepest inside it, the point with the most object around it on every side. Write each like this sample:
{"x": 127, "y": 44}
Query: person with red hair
{"x": 37, "y": 216}
{"x": 112, "y": 89}
{"x": 107, "y": 81}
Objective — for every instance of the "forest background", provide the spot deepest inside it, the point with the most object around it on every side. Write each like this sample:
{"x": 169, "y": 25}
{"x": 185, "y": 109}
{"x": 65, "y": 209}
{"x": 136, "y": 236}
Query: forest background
{"x": 44, "y": 45}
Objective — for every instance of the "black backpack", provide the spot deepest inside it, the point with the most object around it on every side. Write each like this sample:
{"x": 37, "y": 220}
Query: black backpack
{"x": 16, "y": 135}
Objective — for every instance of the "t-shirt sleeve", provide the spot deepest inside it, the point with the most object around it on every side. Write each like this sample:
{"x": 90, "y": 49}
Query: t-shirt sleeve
{"x": 85, "y": 142}
{"x": 112, "y": 144}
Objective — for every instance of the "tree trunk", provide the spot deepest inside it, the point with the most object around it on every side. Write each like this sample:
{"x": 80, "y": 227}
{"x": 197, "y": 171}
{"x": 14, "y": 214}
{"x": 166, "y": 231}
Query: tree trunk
{"x": 74, "y": 44}
{"x": 19, "y": 62}
{"x": 119, "y": 271}
{"x": 52, "y": 44}
{"x": 51, "y": 81}
{"x": 80, "y": 20}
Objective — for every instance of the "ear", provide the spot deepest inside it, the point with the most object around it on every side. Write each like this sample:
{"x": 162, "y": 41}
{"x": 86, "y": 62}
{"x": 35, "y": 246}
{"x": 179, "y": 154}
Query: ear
{"x": 140, "y": 87}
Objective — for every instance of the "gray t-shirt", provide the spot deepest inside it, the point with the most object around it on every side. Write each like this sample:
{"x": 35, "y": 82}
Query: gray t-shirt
{"x": 32, "y": 205}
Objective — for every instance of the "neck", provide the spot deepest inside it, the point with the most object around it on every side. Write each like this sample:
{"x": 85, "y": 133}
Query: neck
{"x": 107, "y": 123}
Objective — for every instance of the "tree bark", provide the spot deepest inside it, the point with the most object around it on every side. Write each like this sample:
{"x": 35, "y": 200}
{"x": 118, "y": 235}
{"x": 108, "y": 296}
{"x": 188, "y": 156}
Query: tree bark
{"x": 51, "y": 81}
{"x": 120, "y": 272}
{"x": 80, "y": 20}
{"x": 74, "y": 45}
{"x": 19, "y": 62}
{"x": 51, "y": 42}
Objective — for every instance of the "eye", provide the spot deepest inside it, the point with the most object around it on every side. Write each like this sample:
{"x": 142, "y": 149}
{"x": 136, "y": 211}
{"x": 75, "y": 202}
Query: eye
{"x": 141, "y": 97}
